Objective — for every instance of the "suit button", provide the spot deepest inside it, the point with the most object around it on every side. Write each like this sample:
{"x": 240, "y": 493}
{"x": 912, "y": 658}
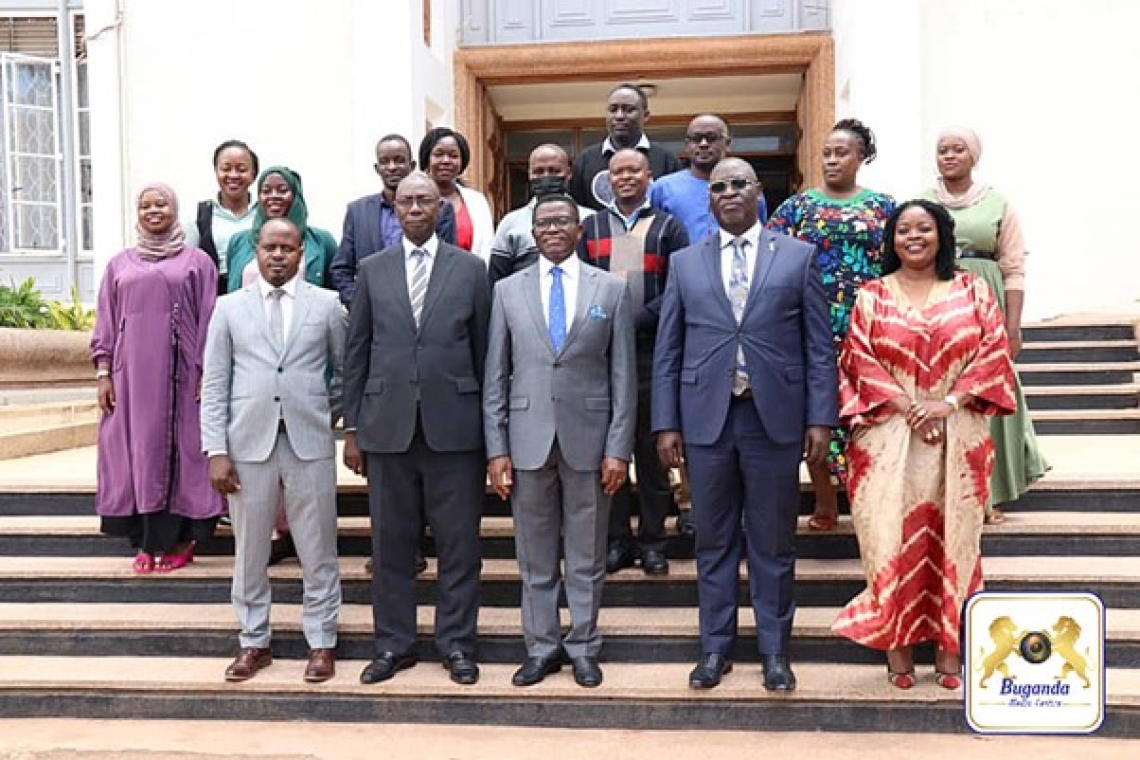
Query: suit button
{"x": 280, "y": 369}
{"x": 276, "y": 398}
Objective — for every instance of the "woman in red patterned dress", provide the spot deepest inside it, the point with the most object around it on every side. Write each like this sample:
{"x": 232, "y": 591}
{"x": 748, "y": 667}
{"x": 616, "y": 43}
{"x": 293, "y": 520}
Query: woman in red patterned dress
{"x": 925, "y": 362}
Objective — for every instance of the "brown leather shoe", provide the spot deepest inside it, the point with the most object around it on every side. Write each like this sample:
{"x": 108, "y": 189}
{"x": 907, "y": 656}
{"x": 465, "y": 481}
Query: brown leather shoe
{"x": 321, "y": 667}
{"x": 248, "y": 662}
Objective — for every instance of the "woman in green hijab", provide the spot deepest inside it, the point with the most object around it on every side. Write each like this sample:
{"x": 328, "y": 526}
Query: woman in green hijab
{"x": 279, "y": 194}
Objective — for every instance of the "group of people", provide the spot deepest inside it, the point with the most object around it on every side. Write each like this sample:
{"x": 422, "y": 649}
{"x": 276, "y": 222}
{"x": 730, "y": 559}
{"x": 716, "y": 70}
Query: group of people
{"x": 633, "y": 310}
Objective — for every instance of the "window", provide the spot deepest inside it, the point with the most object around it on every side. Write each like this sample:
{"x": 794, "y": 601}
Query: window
{"x": 39, "y": 163}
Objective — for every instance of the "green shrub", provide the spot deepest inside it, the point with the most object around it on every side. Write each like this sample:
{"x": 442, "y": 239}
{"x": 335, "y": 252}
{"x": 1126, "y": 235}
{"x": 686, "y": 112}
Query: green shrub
{"x": 24, "y": 306}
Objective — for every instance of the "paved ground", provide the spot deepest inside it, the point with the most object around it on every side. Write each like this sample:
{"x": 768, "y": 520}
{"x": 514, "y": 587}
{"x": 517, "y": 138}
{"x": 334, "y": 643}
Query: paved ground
{"x": 148, "y": 740}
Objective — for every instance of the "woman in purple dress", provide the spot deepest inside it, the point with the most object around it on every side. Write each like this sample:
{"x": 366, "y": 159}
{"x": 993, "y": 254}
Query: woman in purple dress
{"x": 155, "y": 301}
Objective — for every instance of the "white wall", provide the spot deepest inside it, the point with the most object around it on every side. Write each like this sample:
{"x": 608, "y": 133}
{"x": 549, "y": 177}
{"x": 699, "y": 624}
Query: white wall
{"x": 1049, "y": 85}
{"x": 308, "y": 84}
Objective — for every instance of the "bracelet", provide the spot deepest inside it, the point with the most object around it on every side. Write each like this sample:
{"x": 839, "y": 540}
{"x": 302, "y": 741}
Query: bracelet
{"x": 102, "y": 373}
{"x": 952, "y": 400}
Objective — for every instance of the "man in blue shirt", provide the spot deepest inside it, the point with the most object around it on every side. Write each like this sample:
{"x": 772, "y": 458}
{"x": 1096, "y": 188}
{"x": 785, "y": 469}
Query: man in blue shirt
{"x": 685, "y": 194}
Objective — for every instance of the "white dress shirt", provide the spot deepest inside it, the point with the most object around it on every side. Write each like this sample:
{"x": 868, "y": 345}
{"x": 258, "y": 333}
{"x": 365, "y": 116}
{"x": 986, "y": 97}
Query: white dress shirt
{"x": 571, "y": 273}
{"x": 287, "y": 301}
{"x": 752, "y": 235}
{"x": 431, "y": 246}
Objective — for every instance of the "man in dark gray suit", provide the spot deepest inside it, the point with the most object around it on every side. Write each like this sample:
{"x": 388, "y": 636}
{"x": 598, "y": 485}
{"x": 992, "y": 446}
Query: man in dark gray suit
{"x": 744, "y": 384}
{"x": 267, "y": 428}
{"x": 559, "y": 402}
{"x": 371, "y": 223}
{"x": 417, "y": 338}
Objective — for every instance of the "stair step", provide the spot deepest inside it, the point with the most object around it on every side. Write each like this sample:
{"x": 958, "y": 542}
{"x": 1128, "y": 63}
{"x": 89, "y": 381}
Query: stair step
{"x": 837, "y": 697}
{"x": 1078, "y": 373}
{"x": 1042, "y": 397}
{"x": 1081, "y": 329}
{"x": 1078, "y": 351}
{"x": 1087, "y": 421}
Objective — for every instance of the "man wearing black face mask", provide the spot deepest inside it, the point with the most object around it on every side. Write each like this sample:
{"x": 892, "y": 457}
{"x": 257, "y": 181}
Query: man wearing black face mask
{"x": 514, "y": 248}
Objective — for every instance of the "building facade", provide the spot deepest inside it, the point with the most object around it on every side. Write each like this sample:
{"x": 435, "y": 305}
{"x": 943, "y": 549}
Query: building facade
{"x": 313, "y": 84}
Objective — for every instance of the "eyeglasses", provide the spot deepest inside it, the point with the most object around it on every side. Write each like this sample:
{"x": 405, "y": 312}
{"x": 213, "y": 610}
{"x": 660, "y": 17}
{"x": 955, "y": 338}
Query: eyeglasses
{"x": 423, "y": 201}
{"x": 700, "y": 137}
{"x": 551, "y": 222}
{"x": 736, "y": 183}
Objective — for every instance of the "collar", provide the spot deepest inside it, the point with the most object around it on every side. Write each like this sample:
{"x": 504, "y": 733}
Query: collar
{"x": 631, "y": 220}
{"x": 290, "y": 287}
{"x": 569, "y": 267}
{"x": 752, "y": 235}
{"x": 608, "y": 147}
{"x": 431, "y": 246}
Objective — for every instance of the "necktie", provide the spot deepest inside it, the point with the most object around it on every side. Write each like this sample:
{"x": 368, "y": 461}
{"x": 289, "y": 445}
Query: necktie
{"x": 277, "y": 317}
{"x": 419, "y": 283}
{"x": 557, "y": 317}
{"x": 738, "y": 295}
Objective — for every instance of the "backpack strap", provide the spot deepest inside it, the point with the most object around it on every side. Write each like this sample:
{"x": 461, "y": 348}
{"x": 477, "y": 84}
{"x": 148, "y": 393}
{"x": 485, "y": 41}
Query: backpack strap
{"x": 204, "y": 222}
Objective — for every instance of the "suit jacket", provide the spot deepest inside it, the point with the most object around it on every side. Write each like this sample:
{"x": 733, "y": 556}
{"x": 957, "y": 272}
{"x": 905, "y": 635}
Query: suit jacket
{"x": 361, "y": 238}
{"x": 585, "y": 396}
{"x": 248, "y": 382}
{"x": 785, "y": 332}
{"x": 395, "y": 372}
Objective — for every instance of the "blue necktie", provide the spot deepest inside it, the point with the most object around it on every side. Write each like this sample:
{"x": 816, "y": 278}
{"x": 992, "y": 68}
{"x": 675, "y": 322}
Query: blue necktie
{"x": 556, "y": 322}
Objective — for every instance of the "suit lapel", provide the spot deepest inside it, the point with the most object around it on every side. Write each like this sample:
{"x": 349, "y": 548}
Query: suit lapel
{"x": 302, "y": 302}
{"x": 765, "y": 257}
{"x": 395, "y": 278}
{"x": 587, "y": 286}
{"x": 711, "y": 260}
{"x": 256, "y": 310}
{"x": 375, "y": 233}
{"x": 531, "y": 286}
{"x": 437, "y": 282}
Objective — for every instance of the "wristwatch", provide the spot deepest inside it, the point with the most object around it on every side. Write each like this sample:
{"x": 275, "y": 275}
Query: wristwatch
{"x": 101, "y": 373}
{"x": 952, "y": 400}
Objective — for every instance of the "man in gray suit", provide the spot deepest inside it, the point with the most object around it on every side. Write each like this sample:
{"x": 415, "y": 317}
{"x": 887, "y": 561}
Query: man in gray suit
{"x": 559, "y": 407}
{"x": 267, "y": 426}
{"x": 413, "y": 425}
{"x": 744, "y": 386}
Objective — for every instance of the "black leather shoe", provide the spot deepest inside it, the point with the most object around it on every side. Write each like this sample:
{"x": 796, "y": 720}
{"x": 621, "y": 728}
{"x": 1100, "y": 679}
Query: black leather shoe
{"x": 282, "y": 549}
{"x": 653, "y": 562}
{"x": 421, "y": 563}
{"x": 586, "y": 671}
{"x": 685, "y": 522}
{"x": 385, "y": 666}
{"x": 710, "y": 669}
{"x": 620, "y": 556}
{"x": 537, "y": 668}
{"x": 463, "y": 668}
{"x": 778, "y": 675}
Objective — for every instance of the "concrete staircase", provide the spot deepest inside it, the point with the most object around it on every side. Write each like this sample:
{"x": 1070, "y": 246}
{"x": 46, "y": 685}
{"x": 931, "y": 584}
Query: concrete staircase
{"x": 81, "y": 636}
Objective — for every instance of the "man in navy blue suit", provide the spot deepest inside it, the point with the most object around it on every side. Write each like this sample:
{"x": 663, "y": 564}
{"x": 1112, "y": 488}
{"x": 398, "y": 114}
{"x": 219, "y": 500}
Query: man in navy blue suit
{"x": 744, "y": 387}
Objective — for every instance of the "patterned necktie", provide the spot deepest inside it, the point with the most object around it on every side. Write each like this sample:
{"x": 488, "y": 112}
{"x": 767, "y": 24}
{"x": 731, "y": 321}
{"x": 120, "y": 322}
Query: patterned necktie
{"x": 738, "y": 295}
{"x": 419, "y": 283}
{"x": 277, "y": 317}
{"x": 557, "y": 318}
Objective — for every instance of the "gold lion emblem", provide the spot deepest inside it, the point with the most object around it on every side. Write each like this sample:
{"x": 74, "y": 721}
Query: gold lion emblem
{"x": 1005, "y": 636}
{"x": 1066, "y": 632}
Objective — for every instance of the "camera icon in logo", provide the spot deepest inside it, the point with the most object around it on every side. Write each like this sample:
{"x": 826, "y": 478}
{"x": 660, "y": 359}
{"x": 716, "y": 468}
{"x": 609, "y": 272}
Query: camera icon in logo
{"x": 1035, "y": 647}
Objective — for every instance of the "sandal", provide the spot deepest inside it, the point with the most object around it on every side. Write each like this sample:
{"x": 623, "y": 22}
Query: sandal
{"x": 995, "y": 517}
{"x": 170, "y": 562}
{"x": 951, "y": 681}
{"x": 904, "y": 680}
{"x": 823, "y": 523}
{"x": 143, "y": 564}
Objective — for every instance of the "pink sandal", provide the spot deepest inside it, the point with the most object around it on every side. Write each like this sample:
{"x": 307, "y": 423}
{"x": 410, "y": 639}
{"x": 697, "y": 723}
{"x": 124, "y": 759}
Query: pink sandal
{"x": 167, "y": 563}
{"x": 144, "y": 564}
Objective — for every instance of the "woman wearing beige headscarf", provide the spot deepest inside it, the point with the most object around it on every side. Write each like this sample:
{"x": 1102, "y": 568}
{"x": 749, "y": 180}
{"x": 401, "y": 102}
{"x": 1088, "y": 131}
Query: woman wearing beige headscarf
{"x": 990, "y": 244}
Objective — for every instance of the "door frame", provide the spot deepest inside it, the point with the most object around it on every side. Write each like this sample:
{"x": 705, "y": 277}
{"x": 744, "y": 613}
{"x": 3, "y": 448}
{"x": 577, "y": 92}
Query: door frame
{"x": 811, "y": 54}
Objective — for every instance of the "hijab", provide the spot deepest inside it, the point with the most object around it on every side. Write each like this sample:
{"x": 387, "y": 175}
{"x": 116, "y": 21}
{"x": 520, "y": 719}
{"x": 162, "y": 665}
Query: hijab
{"x": 977, "y": 189}
{"x": 298, "y": 212}
{"x": 164, "y": 244}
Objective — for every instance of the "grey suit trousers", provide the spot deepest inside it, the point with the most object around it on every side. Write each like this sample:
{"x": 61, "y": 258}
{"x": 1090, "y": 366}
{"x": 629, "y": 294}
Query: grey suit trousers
{"x": 310, "y": 504}
{"x": 556, "y": 507}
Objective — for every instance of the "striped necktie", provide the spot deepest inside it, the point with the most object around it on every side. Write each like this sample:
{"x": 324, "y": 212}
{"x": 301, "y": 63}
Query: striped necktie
{"x": 738, "y": 295}
{"x": 419, "y": 283}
